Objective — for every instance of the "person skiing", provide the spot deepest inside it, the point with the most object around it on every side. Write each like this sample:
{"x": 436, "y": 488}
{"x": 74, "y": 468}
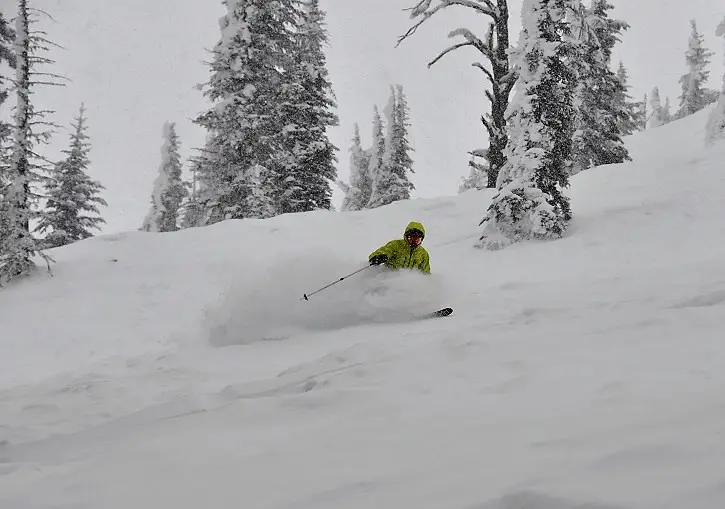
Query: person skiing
{"x": 405, "y": 253}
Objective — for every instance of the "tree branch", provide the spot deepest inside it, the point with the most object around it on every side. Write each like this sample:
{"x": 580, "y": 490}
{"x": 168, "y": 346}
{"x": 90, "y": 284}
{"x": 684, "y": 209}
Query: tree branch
{"x": 479, "y": 65}
{"x": 471, "y": 37}
{"x": 448, "y": 50}
{"x": 488, "y": 126}
{"x": 423, "y": 9}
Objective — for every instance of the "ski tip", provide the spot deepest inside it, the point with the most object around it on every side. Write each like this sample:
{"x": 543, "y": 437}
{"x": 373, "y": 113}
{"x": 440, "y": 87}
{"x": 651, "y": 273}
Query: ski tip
{"x": 441, "y": 312}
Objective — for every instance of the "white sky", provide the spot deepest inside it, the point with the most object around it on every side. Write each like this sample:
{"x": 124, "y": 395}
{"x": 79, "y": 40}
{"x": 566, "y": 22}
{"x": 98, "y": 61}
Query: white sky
{"x": 135, "y": 64}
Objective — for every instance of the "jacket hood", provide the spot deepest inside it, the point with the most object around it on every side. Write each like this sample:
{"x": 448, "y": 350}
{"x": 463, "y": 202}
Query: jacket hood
{"x": 414, "y": 225}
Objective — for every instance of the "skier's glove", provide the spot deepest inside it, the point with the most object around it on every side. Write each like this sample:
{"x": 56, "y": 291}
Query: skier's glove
{"x": 378, "y": 259}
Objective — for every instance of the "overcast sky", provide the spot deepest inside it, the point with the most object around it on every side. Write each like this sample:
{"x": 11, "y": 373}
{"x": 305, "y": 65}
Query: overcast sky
{"x": 135, "y": 64}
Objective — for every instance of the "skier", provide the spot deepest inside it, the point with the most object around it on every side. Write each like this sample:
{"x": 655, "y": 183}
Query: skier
{"x": 405, "y": 253}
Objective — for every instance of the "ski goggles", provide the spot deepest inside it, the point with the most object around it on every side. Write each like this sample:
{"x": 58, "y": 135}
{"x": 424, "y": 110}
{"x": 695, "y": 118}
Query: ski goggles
{"x": 414, "y": 236}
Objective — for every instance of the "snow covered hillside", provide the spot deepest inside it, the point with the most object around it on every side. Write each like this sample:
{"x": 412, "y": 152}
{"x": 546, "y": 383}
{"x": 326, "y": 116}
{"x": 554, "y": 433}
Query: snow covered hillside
{"x": 182, "y": 370}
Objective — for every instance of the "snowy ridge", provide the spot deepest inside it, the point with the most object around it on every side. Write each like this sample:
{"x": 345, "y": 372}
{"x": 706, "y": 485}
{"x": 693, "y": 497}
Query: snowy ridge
{"x": 183, "y": 370}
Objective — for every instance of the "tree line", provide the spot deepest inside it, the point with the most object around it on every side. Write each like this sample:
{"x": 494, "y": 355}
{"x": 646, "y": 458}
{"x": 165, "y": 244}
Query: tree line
{"x": 556, "y": 108}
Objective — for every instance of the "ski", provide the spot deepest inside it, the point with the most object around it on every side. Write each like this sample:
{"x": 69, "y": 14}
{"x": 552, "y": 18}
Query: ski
{"x": 439, "y": 313}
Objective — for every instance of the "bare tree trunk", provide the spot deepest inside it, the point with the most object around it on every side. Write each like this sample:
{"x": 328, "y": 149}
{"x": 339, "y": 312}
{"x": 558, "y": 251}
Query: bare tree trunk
{"x": 494, "y": 49}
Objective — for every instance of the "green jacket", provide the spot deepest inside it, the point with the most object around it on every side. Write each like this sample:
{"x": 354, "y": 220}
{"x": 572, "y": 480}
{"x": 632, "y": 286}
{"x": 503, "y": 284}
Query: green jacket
{"x": 403, "y": 256}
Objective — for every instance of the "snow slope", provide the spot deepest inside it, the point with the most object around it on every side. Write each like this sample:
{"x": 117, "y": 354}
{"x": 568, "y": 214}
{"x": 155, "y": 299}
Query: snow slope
{"x": 183, "y": 370}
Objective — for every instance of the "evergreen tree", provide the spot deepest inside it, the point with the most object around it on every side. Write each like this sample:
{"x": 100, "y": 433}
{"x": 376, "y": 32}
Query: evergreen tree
{"x": 193, "y": 209}
{"x": 359, "y": 190}
{"x": 25, "y": 170}
{"x": 530, "y": 203}
{"x": 169, "y": 190}
{"x": 376, "y": 162}
{"x": 250, "y": 77}
{"x": 494, "y": 48}
{"x": 598, "y": 139}
{"x": 392, "y": 183}
{"x": 401, "y": 162}
{"x": 72, "y": 195}
{"x": 666, "y": 111}
{"x": 627, "y": 123}
{"x": 259, "y": 202}
{"x": 694, "y": 96}
{"x": 643, "y": 114}
{"x": 657, "y": 116}
{"x": 306, "y": 108}
{"x": 716, "y": 120}
{"x": 7, "y": 36}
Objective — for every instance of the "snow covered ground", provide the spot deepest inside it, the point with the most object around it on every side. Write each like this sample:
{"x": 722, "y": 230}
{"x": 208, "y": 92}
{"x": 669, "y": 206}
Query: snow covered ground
{"x": 183, "y": 371}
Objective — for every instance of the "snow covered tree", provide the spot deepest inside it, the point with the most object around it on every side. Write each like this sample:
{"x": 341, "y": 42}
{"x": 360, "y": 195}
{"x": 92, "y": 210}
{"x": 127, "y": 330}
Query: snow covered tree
{"x": 666, "y": 111}
{"x": 193, "y": 215}
{"x": 260, "y": 203}
{"x": 72, "y": 207}
{"x": 391, "y": 182}
{"x": 601, "y": 111}
{"x": 694, "y": 96}
{"x": 306, "y": 111}
{"x": 7, "y": 36}
{"x": 529, "y": 203}
{"x": 250, "y": 77}
{"x": 401, "y": 162}
{"x": 493, "y": 47}
{"x": 360, "y": 187}
{"x": 657, "y": 116}
{"x": 627, "y": 123}
{"x": 478, "y": 176}
{"x": 25, "y": 169}
{"x": 376, "y": 161}
{"x": 169, "y": 190}
{"x": 643, "y": 113}
{"x": 716, "y": 121}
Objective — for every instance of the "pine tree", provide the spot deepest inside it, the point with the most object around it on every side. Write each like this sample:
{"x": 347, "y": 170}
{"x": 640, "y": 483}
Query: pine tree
{"x": 666, "y": 111}
{"x": 376, "y": 162}
{"x": 657, "y": 116}
{"x": 716, "y": 121}
{"x": 494, "y": 48}
{"x": 642, "y": 114}
{"x": 627, "y": 123}
{"x": 391, "y": 182}
{"x": 169, "y": 190}
{"x": 401, "y": 161}
{"x": 25, "y": 170}
{"x": 598, "y": 139}
{"x": 208, "y": 178}
{"x": 694, "y": 96}
{"x": 358, "y": 191}
{"x": 72, "y": 195}
{"x": 259, "y": 202}
{"x": 245, "y": 129}
{"x": 193, "y": 209}
{"x": 529, "y": 203}
{"x": 7, "y": 36}
{"x": 306, "y": 110}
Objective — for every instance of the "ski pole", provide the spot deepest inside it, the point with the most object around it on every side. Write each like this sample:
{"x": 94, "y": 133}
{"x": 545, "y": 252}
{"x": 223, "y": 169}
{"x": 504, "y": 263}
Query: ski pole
{"x": 306, "y": 295}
